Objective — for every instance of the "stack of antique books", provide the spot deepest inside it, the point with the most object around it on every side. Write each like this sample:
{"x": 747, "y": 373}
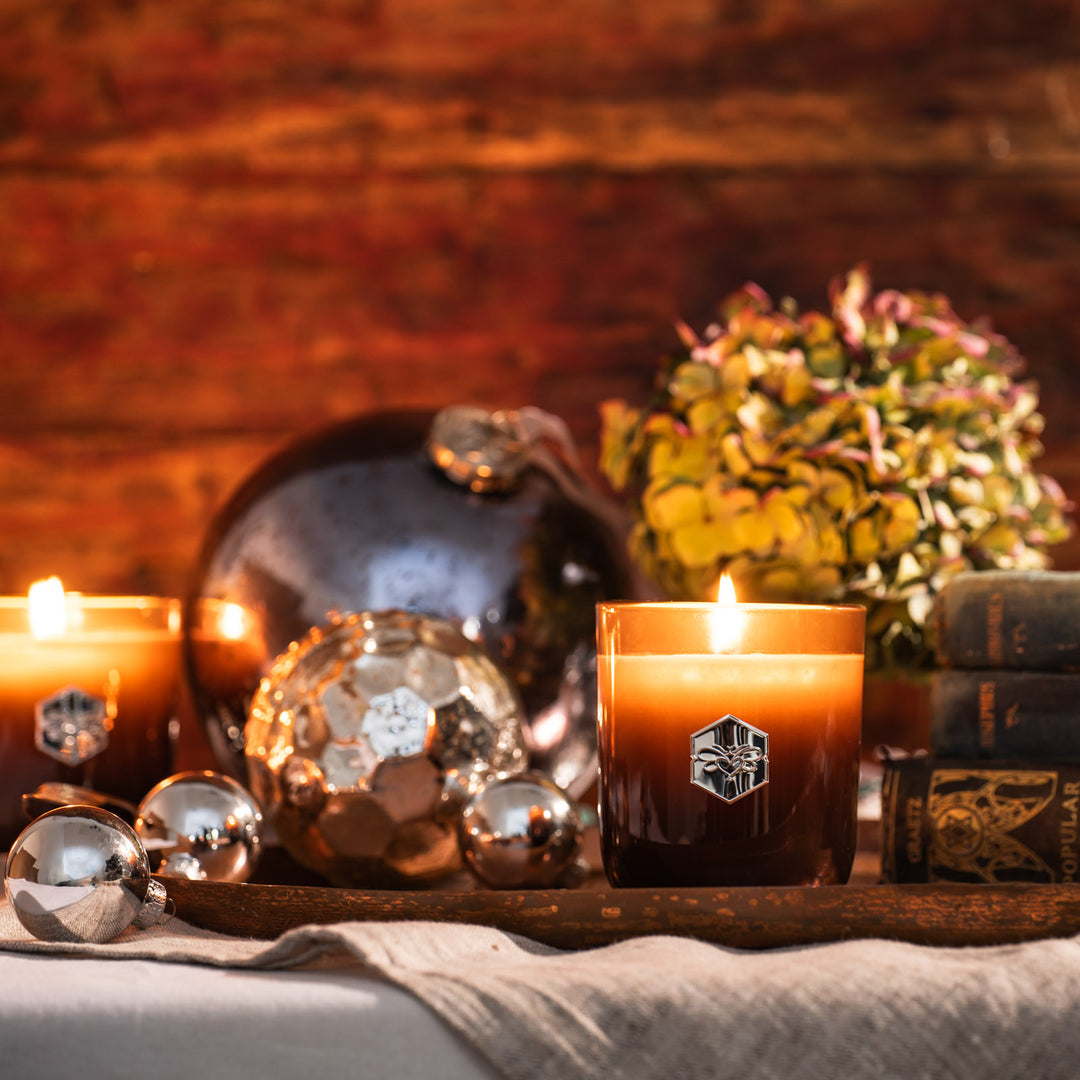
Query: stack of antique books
{"x": 996, "y": 799}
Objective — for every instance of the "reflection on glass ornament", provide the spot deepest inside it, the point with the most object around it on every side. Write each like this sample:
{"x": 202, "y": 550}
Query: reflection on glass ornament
{"x": 200, "y": 825}
{"x": 78, "y": 874}
{"x": 475, "y": 517}
{"x": 367, "y": 738}
{"x": 54, "y": 793}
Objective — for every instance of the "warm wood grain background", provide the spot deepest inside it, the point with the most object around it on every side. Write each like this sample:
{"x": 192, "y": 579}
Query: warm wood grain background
{"x": 223, "y": 222}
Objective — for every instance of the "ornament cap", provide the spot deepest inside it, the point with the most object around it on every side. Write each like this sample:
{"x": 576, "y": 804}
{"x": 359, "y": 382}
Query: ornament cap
{"x": 481, "y": 450}
{"x": 153, "y": 909}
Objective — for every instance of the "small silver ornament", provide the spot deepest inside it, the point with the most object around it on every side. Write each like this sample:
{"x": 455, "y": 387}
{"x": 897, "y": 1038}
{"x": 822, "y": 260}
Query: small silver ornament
{"x": 367, "y": 738}
{"x": 80, "y": 874}
{"x": 520, "y": 833}
{"x": 201, "y": 825}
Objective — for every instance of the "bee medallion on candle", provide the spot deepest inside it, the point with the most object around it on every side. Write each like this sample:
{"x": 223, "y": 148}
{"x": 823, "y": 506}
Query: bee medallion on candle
{"x": 71, "y": 725}
{"x": 729, "y": 758}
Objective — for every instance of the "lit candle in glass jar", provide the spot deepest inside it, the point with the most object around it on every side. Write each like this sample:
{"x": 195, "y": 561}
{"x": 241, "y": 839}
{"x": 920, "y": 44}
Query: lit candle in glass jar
{"x": 729, "y": 742}
{"x": 87, "y": 689}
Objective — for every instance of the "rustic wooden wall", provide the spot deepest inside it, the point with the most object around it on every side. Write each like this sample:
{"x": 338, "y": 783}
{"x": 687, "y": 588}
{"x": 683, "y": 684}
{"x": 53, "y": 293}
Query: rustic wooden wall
{"x": 223, "y": 222}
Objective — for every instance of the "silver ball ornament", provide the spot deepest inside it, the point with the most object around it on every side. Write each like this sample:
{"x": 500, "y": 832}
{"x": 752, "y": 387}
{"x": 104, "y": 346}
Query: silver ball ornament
{"x": 201, "y": 825}
{"x": 520, "y": 833}
{"x": 80, "y": 874}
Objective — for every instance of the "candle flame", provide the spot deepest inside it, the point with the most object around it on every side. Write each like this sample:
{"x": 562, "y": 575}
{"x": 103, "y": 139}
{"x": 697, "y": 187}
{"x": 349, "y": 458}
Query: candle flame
{"x": 48, "y": 609}
{"x": 725, "y": 591}
{"x": 725, "y": 621}
{"x": 232, "y": 622}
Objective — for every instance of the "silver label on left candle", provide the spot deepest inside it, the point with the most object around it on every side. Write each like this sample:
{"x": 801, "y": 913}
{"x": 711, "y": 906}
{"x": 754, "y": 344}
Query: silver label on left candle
{"x": 729, "y": 758}
{"x": 71, "y": 725}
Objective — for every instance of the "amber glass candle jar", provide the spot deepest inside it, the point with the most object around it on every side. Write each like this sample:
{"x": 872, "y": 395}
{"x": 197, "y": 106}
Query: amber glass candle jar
{"x": 729, "y": 742}
{"x": 88, "y": 700}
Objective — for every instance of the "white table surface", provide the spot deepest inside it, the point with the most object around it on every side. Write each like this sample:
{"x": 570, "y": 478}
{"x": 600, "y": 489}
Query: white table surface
{"x": 87, "y": 1018}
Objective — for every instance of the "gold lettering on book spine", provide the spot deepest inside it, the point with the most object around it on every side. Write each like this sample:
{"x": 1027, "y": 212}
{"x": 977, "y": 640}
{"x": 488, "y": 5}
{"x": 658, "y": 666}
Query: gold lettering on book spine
{"x": 987, "y": 688}
{"x": 1070, "y": 856}
{"x": 913, "y": 818}
{"x": 974, "y": 814}
{"x": 994, "y": 608}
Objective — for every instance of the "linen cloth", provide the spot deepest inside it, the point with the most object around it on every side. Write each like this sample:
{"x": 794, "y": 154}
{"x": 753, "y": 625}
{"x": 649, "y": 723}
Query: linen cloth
{"x": 677, "y": 1008}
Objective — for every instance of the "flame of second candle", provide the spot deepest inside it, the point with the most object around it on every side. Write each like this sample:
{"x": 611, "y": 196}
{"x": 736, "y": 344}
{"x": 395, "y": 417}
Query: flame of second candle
{"x": 232, "y": 622}
{"x": 725, "y": 591}
{"x": 725, "y": 620}
{"x": 48, "y": 609}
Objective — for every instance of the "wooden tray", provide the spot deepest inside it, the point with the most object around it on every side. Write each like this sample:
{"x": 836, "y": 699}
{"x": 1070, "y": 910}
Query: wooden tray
{"x": 748, "y": 918}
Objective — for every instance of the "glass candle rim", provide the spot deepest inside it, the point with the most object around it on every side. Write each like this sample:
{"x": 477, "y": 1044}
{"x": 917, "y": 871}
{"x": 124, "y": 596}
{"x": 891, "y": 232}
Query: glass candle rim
{"x": 696, "y": 627}
{"x": 713, "y": 605}
{"x": 97, "y": 615}
{"x": 100, "y": 601}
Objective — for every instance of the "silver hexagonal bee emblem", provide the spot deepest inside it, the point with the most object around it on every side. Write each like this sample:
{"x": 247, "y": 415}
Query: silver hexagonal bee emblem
{"x": 71, "y": 725}
{"x": 729, "y": 758}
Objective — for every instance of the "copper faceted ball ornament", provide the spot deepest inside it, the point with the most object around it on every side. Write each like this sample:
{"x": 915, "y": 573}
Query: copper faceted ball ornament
{"x": 367, "y": 738}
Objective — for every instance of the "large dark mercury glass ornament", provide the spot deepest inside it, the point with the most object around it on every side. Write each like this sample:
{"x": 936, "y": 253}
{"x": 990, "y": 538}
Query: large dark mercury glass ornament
{"x": 464, "y": 514}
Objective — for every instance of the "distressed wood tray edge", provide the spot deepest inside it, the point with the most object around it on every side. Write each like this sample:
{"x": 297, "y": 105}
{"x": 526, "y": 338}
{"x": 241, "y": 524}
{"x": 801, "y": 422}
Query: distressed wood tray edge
{"x": 748, "y": 917}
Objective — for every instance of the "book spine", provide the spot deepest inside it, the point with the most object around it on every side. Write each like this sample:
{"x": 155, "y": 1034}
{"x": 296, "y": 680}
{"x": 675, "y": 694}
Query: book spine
{"x": 1010, "y": 619}
{"x": 994, "y": 822}
{"x": 985, "y": 714}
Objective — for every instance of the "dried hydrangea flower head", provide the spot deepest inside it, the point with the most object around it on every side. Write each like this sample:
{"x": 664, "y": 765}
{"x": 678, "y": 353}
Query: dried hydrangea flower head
{"x": 864, "y": 456}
